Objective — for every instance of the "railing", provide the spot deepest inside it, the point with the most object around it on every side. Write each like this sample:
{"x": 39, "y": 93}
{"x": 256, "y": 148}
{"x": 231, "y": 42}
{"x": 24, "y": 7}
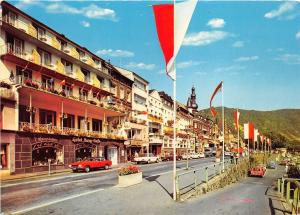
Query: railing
{"x": 191, "y": 180}
{"x": 290, "y": 187}
{"x": 51, "y": 129}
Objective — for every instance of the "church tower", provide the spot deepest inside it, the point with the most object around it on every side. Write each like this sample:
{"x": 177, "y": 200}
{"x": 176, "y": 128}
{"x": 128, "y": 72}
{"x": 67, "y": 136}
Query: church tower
{"x": 191, "y": 102}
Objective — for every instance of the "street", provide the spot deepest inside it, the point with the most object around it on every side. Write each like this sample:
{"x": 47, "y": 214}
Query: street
{"x": 96, "y": 193}
{"x": 19, "y": 195}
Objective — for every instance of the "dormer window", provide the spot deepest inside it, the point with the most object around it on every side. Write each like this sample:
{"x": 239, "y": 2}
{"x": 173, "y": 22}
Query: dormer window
{"x": 63, "y": 45}
{"x": 11, "y": 18}
{"x": 41, "y": 34}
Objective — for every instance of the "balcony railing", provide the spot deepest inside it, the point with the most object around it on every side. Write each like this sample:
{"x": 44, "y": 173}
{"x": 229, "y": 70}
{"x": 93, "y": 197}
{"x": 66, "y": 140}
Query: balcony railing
{"x": 60, "y": 92}
{"x": 7, "y": 94}
{"x": 51, "y": 129}
{"x": 32, "y": 31}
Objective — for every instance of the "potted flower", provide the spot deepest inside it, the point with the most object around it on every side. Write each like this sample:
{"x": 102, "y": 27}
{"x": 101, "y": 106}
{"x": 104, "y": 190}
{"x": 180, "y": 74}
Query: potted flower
{"x": 130, "y": 175}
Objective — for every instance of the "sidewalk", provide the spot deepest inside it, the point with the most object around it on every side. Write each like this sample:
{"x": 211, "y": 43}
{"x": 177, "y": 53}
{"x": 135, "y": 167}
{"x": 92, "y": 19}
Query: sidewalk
{"x": 45, "y": 174}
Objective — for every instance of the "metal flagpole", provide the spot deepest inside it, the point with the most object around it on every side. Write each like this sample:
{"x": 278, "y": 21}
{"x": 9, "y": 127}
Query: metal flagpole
{"x": 174, "y": 135}
{"x": 174, "y": 124}
{"x": 223, "y": 122}
{"x": 238, "y": 128}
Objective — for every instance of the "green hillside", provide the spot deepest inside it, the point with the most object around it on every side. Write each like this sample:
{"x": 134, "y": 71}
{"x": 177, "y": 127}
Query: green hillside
{"x": 283, "y": 125}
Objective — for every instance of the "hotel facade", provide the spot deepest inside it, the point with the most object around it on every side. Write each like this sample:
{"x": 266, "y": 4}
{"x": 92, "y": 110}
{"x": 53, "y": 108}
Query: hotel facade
{"x": 59, "y": 101}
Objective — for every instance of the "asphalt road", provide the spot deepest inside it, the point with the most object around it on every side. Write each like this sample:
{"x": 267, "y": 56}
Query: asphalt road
{"x": 23, "y": 194}
{"x": 250, "y": 196}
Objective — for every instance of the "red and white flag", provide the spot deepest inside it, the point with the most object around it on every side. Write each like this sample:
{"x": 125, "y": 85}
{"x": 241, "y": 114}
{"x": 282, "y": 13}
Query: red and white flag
{"x": 236, "y": 118}
{"x": 249, "y": 131}
{"x": 212, "y": 110}
{"x": 172, "y": 21}
{"x": 256, "y": 133}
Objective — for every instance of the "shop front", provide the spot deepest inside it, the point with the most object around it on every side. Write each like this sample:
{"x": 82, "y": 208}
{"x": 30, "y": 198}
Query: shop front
{"x": 34, "y": 152}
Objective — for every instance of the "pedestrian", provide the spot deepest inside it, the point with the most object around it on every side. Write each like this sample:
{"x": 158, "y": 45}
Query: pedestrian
{"x": 286, "y": 167}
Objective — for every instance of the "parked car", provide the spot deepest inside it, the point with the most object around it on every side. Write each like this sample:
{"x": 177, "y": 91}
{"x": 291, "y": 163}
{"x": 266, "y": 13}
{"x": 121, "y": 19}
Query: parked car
{"x": 227, "y": 154}
{"x": 258, "y": 171}
{"x": 146, "y": 159}
{"x": 201, "y": 155}
{"x": 89, "y": 164}
{"x": 186, "y": 156}
{"x": 170, "y": 157}
{"x": 208, "y": 152}
{"x": 271, "y": 165}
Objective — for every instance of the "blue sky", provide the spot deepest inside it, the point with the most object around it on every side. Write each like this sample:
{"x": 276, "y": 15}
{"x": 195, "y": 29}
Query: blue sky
{"x": 254, "y": 47}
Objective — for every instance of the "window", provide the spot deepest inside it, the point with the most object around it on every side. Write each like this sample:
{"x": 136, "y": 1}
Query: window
{"x": 23, "y": 75}
{"x": 122, "y": 93}
{"x": 68, "y": 66}
{"x": 11, "y": 18}
{"x": 4, "y": 148}
{"x": 41, "y": 34}
{"x": 83, "y": 94}
{"x": 87, "y": 75}
{"x": 139, "y": 84}
{"x": 68, "y": 89}
{"x": 47, "y": 82}
{"x": 139, "y": 99}
{"x": 45, "y": 57}
{"x": 47, "y": 117}
{"x": 68, "y": 121}
{"x": 43, "y": 151}
{"x": 63, "y": 45}
{"x": 81, "y": 123}
{"x": 100, "y": 79}
{"x": 97, "y": 125}
{"x": 24, "y": 114}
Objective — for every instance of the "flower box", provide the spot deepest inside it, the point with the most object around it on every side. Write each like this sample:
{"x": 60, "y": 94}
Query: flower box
{"x": 129, "y": 180}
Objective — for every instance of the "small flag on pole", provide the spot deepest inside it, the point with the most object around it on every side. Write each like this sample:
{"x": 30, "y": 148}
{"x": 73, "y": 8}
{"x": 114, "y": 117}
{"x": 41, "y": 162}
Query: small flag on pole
{"x": 63, "y": 82}
{"x": 249, "y": 131}
{"x": 212, "y": 110}
{"x": 236, "y": 118}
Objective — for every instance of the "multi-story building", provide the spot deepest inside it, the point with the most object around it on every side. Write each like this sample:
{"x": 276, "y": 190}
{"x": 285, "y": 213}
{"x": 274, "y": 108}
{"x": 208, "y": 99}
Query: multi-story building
{"x": 155, "y": 121}
{"x": 137, "y": 122}
{"x": 59, "y": 101}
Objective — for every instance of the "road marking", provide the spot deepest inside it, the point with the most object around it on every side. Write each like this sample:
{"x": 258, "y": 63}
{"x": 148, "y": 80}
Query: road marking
{"x": 55, "y": 202}
{"x": 74, "y": 175}
{"x": 69, "y": 182}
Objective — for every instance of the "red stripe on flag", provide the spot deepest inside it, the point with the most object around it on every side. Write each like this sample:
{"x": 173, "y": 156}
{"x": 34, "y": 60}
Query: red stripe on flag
{"x": 236, "y": 118}
{"x": 251, "y": 131}
{"x": 212, "y": 110}
{"x": 164, "y": 20}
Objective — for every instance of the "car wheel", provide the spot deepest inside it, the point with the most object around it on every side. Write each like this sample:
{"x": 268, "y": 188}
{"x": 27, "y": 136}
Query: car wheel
{"x": 106, "y": 167}
{"x": 157, "y": 161}
{"x": 149, "y": 161}
{"x": 87, "y": 169}
{"x": 74, "y": 170}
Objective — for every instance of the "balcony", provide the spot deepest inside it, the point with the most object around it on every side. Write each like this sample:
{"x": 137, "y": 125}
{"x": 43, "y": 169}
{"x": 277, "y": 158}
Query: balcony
{"x": 58, "y": 91}
{"x": 8, "y": 94}
{"x": 28, "y": 32}
{"x": 155, "y": 139}
{"x": 56, "y": 130}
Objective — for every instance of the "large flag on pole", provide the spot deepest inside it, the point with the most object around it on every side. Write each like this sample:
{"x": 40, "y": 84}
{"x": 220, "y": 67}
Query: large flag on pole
{"x": 249, "y": 131}
{"x": 172, "y": 21}
{"x": 212, "y": 110}
{"x": 236, "y": 119}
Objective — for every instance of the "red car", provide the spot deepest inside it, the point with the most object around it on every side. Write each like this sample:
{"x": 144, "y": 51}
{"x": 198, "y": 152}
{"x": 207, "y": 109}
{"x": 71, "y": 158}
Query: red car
{"x": 90, "y": 163}
{"x": 258, "y": 171}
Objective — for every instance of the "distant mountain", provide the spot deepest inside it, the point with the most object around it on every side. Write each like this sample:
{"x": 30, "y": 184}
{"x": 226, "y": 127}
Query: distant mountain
{"x": 283, "y": 125}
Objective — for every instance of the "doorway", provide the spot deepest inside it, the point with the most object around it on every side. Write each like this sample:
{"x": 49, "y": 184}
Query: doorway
{"x": 112, "y": 154}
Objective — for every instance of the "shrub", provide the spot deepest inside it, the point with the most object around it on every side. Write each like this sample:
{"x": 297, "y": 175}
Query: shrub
{"x": 128, "y": 170}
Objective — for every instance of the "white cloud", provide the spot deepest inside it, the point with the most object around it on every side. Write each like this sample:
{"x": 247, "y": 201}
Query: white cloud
{"x": 201, "y": 73}
{"x": 203, "y": 38}
{"x": 115, "y": 53}
{"x": 187, "y": 64}
{"x": 283, "y": 8}
{"x": 289, "y": 58}
{"x": 238, "y": 44}
{"x": 92, "y": 11}
{"x": 216, "y": 23}
{"x": 142, "y": 66}
{"x": 22, "y": 4}
{"x": 245, "y": 59}
{"x": 231, "y": 69}
{"x": 298, "y": 35}
{"x": 85, "y": 24}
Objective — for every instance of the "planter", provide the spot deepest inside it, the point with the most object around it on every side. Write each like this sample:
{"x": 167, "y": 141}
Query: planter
{"x": 129, "y": 180}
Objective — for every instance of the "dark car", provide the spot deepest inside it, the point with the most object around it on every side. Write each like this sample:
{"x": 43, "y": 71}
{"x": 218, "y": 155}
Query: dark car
{"x": 271, "y": 165}
{"x": 170, "y": 157}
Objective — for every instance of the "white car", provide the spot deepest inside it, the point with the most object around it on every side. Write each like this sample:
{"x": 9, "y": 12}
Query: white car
{"x": 195, "y": 156}
{"x": 146, "y": 159}
{"x": 186, "y": 156}
{"x": 202, "y": 155}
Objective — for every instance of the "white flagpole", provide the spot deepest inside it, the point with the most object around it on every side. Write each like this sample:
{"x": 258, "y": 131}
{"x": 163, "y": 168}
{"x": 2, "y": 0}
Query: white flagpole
{"x": 238, "y": 128}
{"x": 174, "y": 124}
{"x": 223, "y": 125}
